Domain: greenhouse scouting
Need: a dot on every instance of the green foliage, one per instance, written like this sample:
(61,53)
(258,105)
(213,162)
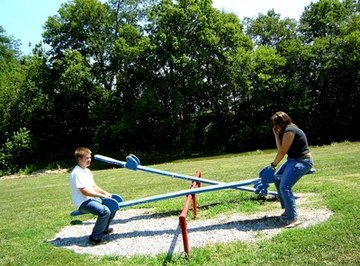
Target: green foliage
(270,30)
(324,18)
(11,80)
(180,77)
(15,151)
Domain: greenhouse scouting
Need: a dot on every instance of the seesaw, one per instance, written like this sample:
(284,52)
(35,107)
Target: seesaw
(116,202)
(133,163)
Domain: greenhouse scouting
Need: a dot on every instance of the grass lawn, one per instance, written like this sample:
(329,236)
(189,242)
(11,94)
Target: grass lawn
(35,208)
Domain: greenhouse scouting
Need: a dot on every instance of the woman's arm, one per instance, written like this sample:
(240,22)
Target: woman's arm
(276,131)
(283,147)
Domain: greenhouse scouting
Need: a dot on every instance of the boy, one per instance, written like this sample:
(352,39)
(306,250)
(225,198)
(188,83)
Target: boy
(87,196)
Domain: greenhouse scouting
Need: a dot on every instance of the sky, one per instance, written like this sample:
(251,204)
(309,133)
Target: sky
(24,19)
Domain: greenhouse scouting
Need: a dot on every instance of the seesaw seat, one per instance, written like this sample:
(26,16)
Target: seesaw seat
(111,203)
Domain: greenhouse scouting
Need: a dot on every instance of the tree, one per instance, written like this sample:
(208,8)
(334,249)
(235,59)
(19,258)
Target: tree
(109,40)
(11,78)
(15,151)
(324,18)
(194,46)
(177,76)
(16,105)
(277,74)
(331,30)
(270,30)
(85,26)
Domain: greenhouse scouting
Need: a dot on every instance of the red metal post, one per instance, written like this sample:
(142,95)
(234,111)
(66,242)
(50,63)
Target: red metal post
(183,225)
(183,215)
(197,174)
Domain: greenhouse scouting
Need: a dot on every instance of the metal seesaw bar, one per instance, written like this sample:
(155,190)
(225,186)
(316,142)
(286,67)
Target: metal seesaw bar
(175,175)
(185,192)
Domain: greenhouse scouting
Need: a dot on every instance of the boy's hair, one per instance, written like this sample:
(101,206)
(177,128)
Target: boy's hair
(81,152)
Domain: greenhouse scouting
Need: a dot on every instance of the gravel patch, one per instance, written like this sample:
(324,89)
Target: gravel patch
(142,232)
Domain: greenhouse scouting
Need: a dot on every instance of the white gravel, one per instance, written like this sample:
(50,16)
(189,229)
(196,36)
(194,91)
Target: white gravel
(141,232)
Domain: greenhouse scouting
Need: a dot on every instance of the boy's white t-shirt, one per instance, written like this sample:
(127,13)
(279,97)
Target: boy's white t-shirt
(80,178)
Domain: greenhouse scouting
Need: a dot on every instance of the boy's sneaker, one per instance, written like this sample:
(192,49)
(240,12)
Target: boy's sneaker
(94,241)
(108,231)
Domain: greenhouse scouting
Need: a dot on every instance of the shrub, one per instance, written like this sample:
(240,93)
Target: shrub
(15,152)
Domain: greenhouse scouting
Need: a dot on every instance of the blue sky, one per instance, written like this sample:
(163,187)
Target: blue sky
(24,19)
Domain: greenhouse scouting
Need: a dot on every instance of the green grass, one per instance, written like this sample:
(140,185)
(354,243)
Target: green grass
(35,208)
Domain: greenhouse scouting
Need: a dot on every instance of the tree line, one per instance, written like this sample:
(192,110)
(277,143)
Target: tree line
(176,77)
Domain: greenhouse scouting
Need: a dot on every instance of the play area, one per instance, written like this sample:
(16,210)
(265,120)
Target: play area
(143,232)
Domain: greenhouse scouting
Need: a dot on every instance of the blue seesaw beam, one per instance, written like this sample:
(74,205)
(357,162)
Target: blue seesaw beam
(110,160)
(185,192)
(114,204)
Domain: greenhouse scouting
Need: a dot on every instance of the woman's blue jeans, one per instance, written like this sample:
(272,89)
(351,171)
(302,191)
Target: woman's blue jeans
(105,216)
(286,177)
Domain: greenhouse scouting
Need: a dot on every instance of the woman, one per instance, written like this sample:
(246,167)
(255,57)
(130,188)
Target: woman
(292,141)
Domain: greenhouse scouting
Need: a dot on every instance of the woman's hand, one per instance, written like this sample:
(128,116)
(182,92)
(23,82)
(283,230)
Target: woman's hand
(276,130)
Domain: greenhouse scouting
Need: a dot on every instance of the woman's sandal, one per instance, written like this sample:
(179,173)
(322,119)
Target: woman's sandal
(293,224)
